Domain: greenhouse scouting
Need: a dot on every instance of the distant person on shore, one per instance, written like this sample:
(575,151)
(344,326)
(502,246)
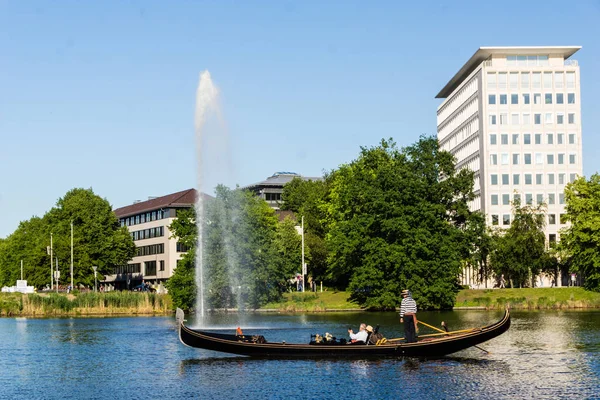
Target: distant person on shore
(502,283)
(408,316)
(360,336)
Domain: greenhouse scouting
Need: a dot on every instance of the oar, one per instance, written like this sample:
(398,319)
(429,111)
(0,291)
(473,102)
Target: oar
(432,327)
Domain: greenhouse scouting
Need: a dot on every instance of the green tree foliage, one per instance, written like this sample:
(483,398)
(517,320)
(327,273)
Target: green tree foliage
(396,220)
(482,244)
(182,285)
(580,242)
(308,199)
(98,239)
(520,252)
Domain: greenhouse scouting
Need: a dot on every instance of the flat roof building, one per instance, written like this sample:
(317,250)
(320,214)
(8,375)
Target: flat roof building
(512,115)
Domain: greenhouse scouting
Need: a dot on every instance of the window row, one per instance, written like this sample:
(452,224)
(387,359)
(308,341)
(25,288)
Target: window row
(127,269)
(526,98)
(143,218)
(532,158)
(273,196)
(504,199)
(526,119)
(529,179)
(182,248)
(515,138)
(551,221)
(150,267)
(531,80)
(150,250)
(148,233)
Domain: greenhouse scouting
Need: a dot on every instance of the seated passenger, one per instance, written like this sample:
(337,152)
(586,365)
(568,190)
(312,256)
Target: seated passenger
(360,336)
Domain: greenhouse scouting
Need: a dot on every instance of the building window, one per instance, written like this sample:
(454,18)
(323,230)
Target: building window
(561,158)
(571,98)
(492,139)
(514,119)
(527,158)
(515,138)
(517,198)
(538,179)
(514,99)
(561,199)
(503,119)
(506,199)
(524,80)
(550,159)
(551,179)
(571,138)
(526,138)
(561,179)
(526,119)
(515,158)
(162,265)
(571,118)
(572,177)
(559,138)
(560,119)
(506,219)
(571,158)
(504,159)
(538,138)
(549,138)
(536,80)
(537,119)
(504,138)
(494,179)
(570,80)
(492,99)
(552,239)
(493,159)
(540,199)
(505,179)
(551,219)
(548,98)
(491,80)
(494,199)
(181,248)
(526,99)
(150,268)
(528,198)
(560,98)
(539,158)
(492,119)
(516,179)
(559,80)
(494,219)
(551,198)
(548,119)
(514,80)
(503,99)
(528,179)
(547,80)
(502,80)
(537,98)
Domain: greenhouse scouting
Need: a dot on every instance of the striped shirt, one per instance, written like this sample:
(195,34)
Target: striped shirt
(408,305)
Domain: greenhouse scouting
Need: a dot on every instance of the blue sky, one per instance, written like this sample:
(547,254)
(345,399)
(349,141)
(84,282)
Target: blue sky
(101,94)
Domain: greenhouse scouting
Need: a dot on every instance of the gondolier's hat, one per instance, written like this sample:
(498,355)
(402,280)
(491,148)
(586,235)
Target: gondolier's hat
(405,292)
(369,329)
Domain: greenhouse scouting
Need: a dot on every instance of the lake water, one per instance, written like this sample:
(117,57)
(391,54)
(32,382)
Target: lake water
(544,355)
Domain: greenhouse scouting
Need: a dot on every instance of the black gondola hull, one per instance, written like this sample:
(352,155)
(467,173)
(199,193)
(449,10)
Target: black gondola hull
(425,348)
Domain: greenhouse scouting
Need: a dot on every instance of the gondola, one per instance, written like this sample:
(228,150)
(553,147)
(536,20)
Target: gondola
(434,345)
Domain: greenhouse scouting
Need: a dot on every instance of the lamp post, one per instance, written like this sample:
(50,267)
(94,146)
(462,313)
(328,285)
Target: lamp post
(303,265)
(95,275)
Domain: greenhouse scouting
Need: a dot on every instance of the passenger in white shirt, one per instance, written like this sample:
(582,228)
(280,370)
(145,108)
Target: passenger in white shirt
(360,336)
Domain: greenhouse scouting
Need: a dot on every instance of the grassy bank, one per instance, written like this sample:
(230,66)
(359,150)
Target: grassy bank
(110,303)
(313,302)
(538,298)
(530,299)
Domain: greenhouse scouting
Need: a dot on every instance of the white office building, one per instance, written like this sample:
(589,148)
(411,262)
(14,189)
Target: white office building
(513,116)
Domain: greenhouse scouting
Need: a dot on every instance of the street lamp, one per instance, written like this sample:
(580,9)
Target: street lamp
(95,275)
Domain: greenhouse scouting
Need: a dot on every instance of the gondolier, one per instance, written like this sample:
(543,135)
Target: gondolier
(408,316)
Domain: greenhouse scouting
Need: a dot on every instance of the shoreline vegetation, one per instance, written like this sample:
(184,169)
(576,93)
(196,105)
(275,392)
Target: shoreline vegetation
(135,303)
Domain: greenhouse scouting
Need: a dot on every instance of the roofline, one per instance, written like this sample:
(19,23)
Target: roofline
(484,53)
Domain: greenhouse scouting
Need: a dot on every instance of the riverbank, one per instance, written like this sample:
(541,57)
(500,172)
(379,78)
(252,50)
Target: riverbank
(523,299)
(84,304)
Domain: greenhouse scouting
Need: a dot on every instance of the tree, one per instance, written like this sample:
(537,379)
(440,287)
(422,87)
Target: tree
(98,240)
(482,244)
(520,252)
(580,240)
(396,220)
(182,284)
